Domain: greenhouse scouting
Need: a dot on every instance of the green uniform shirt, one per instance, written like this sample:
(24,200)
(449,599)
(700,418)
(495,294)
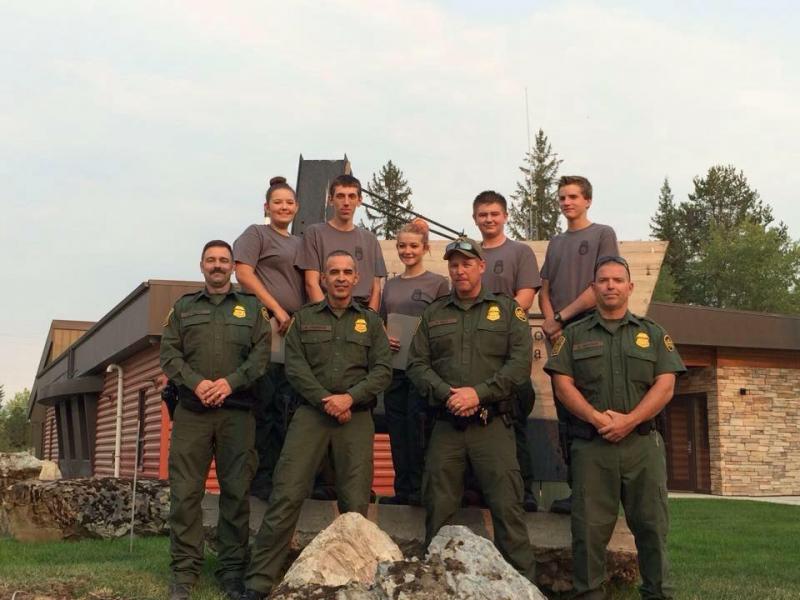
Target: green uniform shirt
(215,336)
(485,345)
(329,354)
(614,363)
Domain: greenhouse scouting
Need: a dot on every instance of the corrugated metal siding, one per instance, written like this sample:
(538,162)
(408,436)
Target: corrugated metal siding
(383,470)
(139,373)
(50,436)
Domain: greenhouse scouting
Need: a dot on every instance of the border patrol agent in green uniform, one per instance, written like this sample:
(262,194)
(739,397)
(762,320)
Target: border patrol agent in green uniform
(615,372)
(215,344)
(338,359)
(471,350)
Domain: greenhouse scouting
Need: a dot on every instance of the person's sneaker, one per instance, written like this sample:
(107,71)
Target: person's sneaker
(179,591)
(529,503)
(232,589)
(562,506)
(254,595)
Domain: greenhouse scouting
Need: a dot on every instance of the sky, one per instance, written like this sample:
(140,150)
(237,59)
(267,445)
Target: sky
(131,133)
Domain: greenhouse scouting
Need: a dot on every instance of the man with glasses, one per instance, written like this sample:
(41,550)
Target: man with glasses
(471,350)
(614,372)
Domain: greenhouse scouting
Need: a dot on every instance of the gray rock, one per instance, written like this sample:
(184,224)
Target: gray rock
(84,508)
(476,570)
(50,471)
(18,466)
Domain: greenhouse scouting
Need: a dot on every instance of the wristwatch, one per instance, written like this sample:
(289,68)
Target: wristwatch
(557,318)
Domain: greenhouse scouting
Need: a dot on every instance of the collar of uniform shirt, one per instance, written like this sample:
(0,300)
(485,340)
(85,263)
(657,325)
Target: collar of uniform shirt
(323,304)
(598,319)
(483,295)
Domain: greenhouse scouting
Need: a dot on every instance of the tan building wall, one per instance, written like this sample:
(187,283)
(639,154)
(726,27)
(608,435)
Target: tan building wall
(757,433)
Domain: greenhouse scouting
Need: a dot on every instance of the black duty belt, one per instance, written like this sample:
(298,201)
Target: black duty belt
(484,415)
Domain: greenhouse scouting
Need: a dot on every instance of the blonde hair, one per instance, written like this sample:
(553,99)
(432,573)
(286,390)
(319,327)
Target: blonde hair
(418,226)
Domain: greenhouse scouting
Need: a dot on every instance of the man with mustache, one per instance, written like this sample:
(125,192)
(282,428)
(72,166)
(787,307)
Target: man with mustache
(615,371)
(338,360)
(215,344)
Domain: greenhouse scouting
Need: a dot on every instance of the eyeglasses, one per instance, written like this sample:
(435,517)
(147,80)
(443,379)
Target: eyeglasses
(460,245)
(603,260)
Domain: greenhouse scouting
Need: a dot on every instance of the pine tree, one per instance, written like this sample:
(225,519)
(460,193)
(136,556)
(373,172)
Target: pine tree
(664,226)
(390,185)
(534,210)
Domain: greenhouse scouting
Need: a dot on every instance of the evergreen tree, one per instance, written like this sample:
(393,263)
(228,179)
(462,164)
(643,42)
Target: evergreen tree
(2,394)
(715,240)
(390,185)
(534,210)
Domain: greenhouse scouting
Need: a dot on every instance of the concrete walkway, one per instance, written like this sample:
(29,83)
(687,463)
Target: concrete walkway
(793,500)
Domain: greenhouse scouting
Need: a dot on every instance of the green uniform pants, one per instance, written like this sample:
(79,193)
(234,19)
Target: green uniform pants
(276,403)
(404,421)
(311,433)
(524,406)
(604,474)
(227,435)
(491,451)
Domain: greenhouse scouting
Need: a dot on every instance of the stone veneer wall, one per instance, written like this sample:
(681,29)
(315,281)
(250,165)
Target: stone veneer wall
(758,434)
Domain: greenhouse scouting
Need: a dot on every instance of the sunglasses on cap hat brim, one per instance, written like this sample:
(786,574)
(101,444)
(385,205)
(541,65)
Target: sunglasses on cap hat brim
(604,260)
(463,246)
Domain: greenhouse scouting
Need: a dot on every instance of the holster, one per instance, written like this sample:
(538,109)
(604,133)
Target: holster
(169,395)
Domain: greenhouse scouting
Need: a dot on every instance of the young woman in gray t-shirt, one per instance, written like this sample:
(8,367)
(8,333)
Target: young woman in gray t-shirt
(266,257)
(408,294)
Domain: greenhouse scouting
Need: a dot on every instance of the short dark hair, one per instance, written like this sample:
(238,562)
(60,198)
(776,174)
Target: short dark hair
(489,197)
(580,181)
(216,244)
(344,181)
(341,253)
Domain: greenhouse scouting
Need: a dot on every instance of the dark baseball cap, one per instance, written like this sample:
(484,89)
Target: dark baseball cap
(465,246)
(604,260)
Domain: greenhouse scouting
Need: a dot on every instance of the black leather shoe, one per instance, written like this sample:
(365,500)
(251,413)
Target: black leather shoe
(254,595)
(232,589)
(397,499)
(529,503)
(180,591)
(562,506)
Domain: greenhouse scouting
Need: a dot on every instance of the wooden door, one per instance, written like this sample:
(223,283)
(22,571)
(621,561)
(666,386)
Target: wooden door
(688,466)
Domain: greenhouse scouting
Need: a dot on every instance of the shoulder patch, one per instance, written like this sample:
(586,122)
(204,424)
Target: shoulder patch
(668,343)
(166,319)
(558,345)
(520,314)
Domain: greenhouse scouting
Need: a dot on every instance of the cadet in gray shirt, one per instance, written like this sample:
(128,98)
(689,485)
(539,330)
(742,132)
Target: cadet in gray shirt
(567,273)
(265,258)
(511,269)
(408,294)
(340,234)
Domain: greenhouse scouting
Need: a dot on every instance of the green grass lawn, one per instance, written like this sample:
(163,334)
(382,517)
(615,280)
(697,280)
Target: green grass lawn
(720,550)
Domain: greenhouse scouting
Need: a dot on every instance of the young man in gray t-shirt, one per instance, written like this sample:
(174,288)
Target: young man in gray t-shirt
(567,274)
(340,233)
(511,269)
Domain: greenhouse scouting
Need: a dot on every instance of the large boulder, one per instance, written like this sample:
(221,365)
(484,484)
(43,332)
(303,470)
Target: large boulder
(84,508)
(348,551)
(17,466)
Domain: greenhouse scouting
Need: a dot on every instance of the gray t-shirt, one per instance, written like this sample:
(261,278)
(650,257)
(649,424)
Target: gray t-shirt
(411,296)
(510,267)
(570,259)
(273,257)
(320,239)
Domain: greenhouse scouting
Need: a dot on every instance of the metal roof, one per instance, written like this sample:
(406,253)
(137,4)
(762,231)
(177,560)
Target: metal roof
(705,326)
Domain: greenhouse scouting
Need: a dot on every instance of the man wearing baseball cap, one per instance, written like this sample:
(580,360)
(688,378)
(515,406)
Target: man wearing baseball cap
(471,350)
